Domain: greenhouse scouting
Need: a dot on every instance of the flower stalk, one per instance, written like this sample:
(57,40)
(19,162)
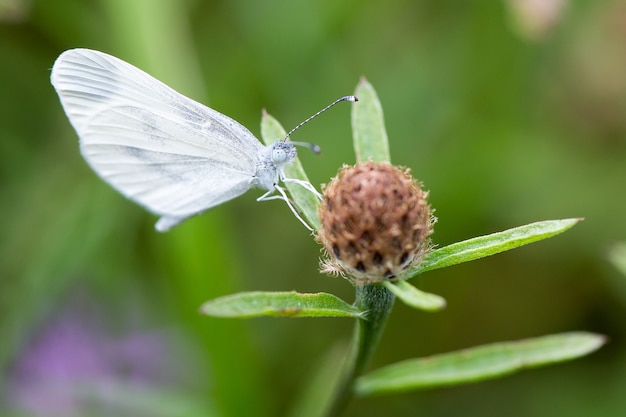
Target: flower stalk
(377,302)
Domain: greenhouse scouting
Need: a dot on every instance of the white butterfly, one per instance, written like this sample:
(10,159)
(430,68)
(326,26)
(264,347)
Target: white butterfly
(172,155)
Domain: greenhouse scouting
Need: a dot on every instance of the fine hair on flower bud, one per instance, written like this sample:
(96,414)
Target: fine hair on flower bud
(375,223)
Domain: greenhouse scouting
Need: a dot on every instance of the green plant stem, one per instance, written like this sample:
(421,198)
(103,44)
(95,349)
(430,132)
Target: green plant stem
(377,302)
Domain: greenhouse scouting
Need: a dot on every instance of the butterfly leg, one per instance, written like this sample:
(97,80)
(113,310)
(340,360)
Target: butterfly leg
(283,196)
(304,184)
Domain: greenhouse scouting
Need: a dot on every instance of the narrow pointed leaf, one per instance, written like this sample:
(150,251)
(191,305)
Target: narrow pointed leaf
(305,201)
(477,364)
(482,246)
(414,297)
(279,304)
(368,125)
(617,256)
(320,384)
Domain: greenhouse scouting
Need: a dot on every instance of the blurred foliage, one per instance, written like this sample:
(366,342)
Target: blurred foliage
(504,126)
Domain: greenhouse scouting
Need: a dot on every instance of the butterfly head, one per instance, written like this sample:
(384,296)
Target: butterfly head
(282,153)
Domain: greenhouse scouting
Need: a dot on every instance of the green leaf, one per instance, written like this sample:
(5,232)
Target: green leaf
(279,304)
(321,382)
(617,256)
(479,363)
(131,399)
(479,247)
(304,200)
(368,125)
(414,297)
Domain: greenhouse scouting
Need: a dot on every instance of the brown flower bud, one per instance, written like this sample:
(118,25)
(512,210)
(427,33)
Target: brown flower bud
(375,223)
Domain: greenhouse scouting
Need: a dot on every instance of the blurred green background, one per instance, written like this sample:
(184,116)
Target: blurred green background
(509,112)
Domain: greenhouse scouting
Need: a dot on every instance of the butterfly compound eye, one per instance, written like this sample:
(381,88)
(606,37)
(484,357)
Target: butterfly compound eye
(279,155)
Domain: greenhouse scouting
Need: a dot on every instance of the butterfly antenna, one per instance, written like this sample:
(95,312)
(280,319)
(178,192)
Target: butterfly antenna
(315,148)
